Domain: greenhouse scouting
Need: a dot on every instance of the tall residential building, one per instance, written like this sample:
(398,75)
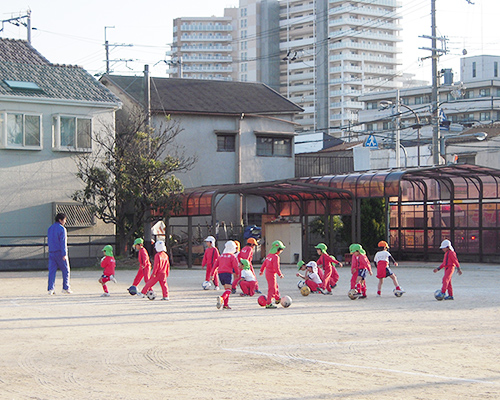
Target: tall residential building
(334,51)
(203,48)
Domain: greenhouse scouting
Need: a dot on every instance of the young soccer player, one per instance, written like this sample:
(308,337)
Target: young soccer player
(247,281)
(247,254)
(361,266)
(161,270)
(450,262)
(271,266)
(381,260)
(227,268)
(311,276)
(108,265)
(208,262)
(144,263)
(331,275)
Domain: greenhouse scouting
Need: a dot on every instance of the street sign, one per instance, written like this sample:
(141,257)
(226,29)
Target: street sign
(371,142)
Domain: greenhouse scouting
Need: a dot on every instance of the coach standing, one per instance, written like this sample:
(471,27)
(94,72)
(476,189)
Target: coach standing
(58,253)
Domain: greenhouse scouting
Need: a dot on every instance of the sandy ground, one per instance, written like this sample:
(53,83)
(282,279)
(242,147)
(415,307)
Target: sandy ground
(83,346)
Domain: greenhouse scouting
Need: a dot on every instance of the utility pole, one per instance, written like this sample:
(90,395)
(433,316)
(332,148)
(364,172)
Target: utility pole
(147,101)
(434,95)
(106,48)
(398,130)
(18,21)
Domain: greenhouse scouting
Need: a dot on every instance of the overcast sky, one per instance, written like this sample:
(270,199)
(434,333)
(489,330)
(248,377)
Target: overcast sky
(73,32)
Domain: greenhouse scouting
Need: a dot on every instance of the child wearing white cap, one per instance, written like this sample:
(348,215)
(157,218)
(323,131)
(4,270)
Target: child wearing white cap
(311,276)
(450,262)
(208,262)
(161,270)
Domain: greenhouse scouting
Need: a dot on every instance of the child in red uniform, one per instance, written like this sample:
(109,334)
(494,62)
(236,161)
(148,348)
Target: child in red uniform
(331,276)
(247,254)
(247,281)
(237,277)
(311,276)
(450,262)
(227,268)
(381,260)
(108,265)
(144,263)
(360,265)
(161,270)
(271,266)
(211,254)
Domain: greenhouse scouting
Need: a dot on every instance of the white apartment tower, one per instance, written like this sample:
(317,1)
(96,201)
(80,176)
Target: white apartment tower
(203,48)
(335,50)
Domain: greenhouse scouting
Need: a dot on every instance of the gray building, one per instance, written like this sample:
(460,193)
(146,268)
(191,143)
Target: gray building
(48,116)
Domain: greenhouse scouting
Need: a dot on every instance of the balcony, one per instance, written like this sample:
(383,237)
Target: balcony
(206,38)
(362,57)
(363,22)
(206,58)
(206,68)
(200,48)
(364,46)
(206,28)
(388,3)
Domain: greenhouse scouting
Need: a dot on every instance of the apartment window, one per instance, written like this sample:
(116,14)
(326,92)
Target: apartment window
(484,116)
(369,127)
(484,92)
(473,69)
(419,100)
(243,23)
(469,94)
(20,130)
(243,34)
(495,69)
(372,105)
(405,101)
(226,142)
(71,133)
(243,12)
(274,146)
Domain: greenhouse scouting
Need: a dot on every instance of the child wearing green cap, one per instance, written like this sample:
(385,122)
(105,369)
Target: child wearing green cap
(271,266)
(247,281)
(360,266)
(144,263)
(108,265)
(331,276)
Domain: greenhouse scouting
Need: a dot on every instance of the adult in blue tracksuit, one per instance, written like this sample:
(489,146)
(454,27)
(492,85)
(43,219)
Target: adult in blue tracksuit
(58,253)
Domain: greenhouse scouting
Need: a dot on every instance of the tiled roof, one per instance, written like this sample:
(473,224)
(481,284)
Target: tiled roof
(199,96)
(20,62)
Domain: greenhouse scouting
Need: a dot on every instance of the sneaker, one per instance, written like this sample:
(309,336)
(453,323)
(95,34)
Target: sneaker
(164,298)
(52,292)
(226,308)
(67,291)
(105,295)
(271,306)
(141,295)
(321,290)
(216,288)
(233,291)
(112,278)
(362,296)
(243,295)
(327,292)
(449,298)
(220,301)
(258,291)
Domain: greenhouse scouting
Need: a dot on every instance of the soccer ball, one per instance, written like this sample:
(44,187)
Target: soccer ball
(300,284)
(206,285)
(132,290)
(353,294)
(439,295)
(305,290)
(398,293)
(151,295)
(262,300)
(286,301)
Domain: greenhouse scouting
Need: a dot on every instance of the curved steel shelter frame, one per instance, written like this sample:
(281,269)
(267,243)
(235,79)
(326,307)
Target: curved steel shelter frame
(424,205)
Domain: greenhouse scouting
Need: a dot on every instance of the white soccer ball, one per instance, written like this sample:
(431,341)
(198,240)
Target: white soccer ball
(439,295)
(398,293)
(300,284)
(151,295)
(206,285)
(353,294)
(286,301)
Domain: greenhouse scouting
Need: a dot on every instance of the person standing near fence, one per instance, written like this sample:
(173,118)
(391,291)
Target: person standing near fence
(57,240)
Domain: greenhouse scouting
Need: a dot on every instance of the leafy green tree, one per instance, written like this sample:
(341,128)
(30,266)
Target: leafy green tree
(130,174)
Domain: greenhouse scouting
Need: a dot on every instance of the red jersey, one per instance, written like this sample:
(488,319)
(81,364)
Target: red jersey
(271,264)
(246,253)
(326,261)
(108,264)
(360,262)
(450,260)
(144,260)
(161,264)
(227,263)
(211,254)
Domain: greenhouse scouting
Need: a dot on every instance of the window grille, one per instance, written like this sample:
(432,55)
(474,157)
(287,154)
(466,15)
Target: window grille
(77,215)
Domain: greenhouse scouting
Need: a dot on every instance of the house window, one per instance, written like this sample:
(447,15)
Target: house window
(20,130)
(71,133)
(226,143)
(274,146)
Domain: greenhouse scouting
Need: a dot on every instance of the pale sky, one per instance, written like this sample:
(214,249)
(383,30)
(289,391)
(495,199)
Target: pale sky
(73,32)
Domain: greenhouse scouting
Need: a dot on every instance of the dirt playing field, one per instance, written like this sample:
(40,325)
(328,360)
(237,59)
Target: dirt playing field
(83,346)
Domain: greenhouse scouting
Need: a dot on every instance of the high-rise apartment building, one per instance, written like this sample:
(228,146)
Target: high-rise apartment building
(321,54)
(203,48)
